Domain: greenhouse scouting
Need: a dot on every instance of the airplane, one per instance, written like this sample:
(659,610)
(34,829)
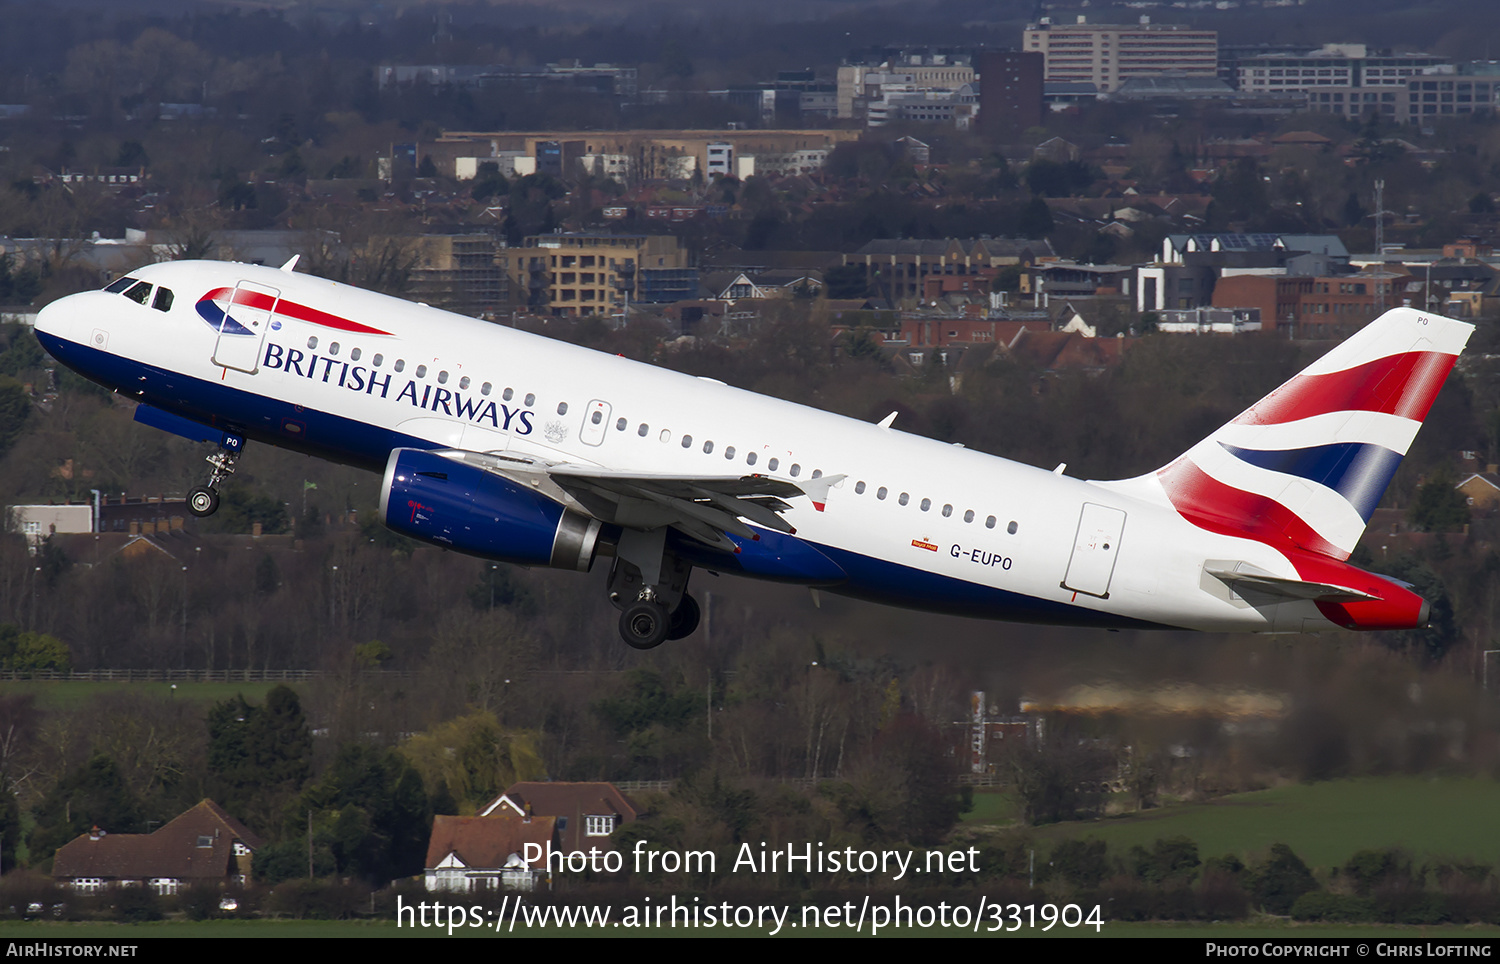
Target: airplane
(515,447)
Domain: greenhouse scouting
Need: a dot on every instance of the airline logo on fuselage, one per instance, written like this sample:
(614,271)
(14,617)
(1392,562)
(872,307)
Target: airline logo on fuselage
(418,394)
(213,308)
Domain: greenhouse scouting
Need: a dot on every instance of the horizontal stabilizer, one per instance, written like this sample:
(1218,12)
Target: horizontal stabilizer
(1243,576)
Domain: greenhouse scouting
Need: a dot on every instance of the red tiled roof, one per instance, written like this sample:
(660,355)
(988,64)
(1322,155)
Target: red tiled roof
(486,841)
(574,801)
(198,844)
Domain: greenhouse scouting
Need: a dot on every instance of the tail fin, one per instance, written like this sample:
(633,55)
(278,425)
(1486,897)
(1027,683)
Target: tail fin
(1307,464)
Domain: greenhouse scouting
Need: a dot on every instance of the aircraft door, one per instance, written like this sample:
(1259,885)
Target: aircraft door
(1095,547)
(246,318)
(595,423)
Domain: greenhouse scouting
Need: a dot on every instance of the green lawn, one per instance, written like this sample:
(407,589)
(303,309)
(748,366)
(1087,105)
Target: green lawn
(993,806)
(1325,823)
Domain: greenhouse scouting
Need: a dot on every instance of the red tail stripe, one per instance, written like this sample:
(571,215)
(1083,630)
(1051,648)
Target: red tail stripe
(1210,504)
(1403,385)
(256,299)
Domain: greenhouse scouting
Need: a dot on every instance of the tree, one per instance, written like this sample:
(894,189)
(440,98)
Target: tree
(93,795)
(1036,219)
(258,756)
(370,811)
(474,757)
(1439,505)
(1277,883)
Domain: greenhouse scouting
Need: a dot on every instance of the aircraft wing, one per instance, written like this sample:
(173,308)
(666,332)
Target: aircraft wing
(1243,576)
(703,507)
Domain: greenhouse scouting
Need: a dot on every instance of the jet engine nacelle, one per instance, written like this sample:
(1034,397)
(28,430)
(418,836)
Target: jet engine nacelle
(461,506)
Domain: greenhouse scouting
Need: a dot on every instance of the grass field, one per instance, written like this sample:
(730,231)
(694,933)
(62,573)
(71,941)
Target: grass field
(1325,823)
(70,695)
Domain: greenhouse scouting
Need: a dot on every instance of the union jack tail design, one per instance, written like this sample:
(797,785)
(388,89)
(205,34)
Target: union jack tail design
(1305,466)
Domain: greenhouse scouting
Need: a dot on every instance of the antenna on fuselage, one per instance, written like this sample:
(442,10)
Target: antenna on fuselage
(291,264)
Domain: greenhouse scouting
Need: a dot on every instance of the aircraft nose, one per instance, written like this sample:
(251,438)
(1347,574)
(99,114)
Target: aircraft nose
(48,319)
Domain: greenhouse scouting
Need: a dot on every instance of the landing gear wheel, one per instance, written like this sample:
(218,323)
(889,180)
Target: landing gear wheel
(643,625)
(684,621)
(203,501)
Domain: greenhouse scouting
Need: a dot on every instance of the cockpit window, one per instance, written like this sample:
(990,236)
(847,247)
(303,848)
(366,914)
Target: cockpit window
(141,293)
(120,284)
(163,299)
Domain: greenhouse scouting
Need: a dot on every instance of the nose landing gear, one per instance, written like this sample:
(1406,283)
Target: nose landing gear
(203,500)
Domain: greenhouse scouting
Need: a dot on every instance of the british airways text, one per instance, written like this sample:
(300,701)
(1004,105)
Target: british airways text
(358,378)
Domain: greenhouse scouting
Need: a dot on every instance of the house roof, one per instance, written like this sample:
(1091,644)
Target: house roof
(486,841)
(198,844)
(570,801)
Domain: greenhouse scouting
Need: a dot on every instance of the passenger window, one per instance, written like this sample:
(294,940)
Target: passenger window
(354,354)
(969,515)
(947,511)
(880,493)
(666,435)
(163,299)
(687,441)
(530,399)
(989,523)
(508,394)
(771,466)
(643,430)
(486,388)
(377,360)
(400,364)
(421,371)
(596,418)
(926,504)
(796,470)
(750,459)
(463,383)
(708,447)
(620,425)
(729,452)
(859,488)
(442,378)
(562,408)
(333,348)
(1011,528)
(817,473)
(904,498)
(120,284)
(313,343)
(139,293)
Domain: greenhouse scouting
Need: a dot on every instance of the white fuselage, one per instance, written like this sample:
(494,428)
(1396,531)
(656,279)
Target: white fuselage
(908,508)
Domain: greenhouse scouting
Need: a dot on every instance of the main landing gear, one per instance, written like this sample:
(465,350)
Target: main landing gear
(204,500)
(649,586)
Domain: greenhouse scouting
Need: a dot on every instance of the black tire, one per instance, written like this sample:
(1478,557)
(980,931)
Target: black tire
(684,621)
(203,501)
(643,625)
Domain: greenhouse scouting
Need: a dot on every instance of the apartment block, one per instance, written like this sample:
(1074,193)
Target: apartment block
(578,275)
(1107,55)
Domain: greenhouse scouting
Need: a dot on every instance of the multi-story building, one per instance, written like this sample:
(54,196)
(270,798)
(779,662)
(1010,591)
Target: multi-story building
(1442,91)
(628,155)
(576,275)
(1351,66)
(1010,89)
(466,273)
(1107,55)
(860,84)
(898,269)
